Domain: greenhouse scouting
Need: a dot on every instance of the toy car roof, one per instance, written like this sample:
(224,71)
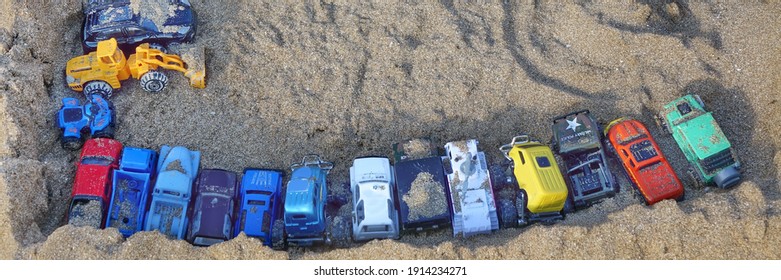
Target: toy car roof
(137,160)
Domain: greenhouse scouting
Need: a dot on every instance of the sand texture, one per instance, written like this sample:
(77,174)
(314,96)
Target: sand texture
(349,78)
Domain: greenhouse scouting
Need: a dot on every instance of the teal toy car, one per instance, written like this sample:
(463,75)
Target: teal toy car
(700,138)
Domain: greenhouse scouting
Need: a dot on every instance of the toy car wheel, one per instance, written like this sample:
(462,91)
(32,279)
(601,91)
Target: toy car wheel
(727,177)
(71,143)
(98,87)
(278,235)
(107,132)
(695,178)
(682,197)
(569,206)
(509,215)
(154,81)
(661,124)
(520,208)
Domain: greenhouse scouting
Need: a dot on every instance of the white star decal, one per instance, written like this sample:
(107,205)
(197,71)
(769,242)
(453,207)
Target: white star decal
(572,124)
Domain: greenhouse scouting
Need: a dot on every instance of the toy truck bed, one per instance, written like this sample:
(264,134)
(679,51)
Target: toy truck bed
(261,207)
(471,193)
(131,185)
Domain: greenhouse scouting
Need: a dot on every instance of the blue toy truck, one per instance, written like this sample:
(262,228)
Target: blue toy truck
(177,168)
(260,213)
(131,186)
(306,197)
(97,118)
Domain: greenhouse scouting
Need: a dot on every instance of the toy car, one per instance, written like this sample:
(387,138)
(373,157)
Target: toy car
(171,23)
(422,193)
(471,191)
(306,197)
(576,138)
(373,189)
(539,193)
(92,184)
(131,186)
(212,215)
(96,117)
(177,168)
(101,71)
(643,161)
(261,207)
(702,141)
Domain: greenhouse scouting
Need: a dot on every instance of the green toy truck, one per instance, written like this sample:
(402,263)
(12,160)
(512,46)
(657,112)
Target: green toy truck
(702,141)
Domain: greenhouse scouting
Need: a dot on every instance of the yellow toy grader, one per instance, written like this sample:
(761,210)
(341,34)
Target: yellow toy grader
(101,71)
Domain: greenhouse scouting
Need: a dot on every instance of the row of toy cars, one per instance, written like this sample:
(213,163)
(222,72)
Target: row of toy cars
(421,191)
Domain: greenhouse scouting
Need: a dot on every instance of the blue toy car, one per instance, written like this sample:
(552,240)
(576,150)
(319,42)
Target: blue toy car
(260,213)
(159,24)
(96,117)
(305,206)
(213,213)
(177,168)
(131,186)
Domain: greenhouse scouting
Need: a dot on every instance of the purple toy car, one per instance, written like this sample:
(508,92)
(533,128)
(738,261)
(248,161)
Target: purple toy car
(213,212)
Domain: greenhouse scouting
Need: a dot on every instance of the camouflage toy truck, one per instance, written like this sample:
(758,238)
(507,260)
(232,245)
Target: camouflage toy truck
(700,138)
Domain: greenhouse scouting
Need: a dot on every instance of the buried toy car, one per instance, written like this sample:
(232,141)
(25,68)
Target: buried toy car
(177,168)
(471,192)
(422,193)
(212,214)
(539,193)
(576,138)
(132,183)
(97,118)
(702,141)
(643,161)
(92,184)
(306,197)
(261,207)
(372,186)
(160,23)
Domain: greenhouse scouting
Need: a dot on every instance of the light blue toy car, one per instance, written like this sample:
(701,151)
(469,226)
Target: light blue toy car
(305,201)
(177,168)
(131,186)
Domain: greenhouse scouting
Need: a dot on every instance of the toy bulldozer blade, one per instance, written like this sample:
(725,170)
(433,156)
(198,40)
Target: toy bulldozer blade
(197,78)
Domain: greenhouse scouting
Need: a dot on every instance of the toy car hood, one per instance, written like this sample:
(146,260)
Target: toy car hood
(575,133)
(707,130)
(179,159)
(102,147)
(372,169)
(91,180)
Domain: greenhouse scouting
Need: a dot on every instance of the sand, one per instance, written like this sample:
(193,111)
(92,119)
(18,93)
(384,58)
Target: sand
(347,79)
(426,197)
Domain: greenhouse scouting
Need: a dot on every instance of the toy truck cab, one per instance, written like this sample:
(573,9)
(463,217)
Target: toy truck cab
(702,141)
(92,184)
(305,200)
(177,168)
(576,138)
(261,207)
(422,195)
(98,72)
(131,186)
(212,215)
(97,117)
(540,192)
(372,186)
(643,161)
(471,191)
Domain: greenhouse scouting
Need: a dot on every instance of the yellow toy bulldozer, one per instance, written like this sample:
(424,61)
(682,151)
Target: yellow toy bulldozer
(101,71)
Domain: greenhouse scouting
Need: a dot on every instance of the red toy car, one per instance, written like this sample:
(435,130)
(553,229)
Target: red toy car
(92,185)
(643,161)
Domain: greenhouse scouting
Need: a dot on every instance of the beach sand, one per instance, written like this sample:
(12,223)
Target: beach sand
(344,79)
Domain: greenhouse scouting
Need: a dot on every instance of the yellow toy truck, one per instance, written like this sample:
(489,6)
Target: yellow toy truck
(540,190)
(101,71)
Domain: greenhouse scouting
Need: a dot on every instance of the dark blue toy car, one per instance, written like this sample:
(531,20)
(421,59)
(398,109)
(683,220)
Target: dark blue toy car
(97,118)
(138,22)
(131,186)
(260,213)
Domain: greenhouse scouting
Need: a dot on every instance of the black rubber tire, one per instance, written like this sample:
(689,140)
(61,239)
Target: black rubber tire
(71,143)
(107,132)
(278,235)
(97,87)
(682,197)
(695,178)
(727,177)
(569,206)
(508,212)
(153,81)
(520,208)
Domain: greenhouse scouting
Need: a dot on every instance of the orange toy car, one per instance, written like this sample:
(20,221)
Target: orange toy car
(643,161)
